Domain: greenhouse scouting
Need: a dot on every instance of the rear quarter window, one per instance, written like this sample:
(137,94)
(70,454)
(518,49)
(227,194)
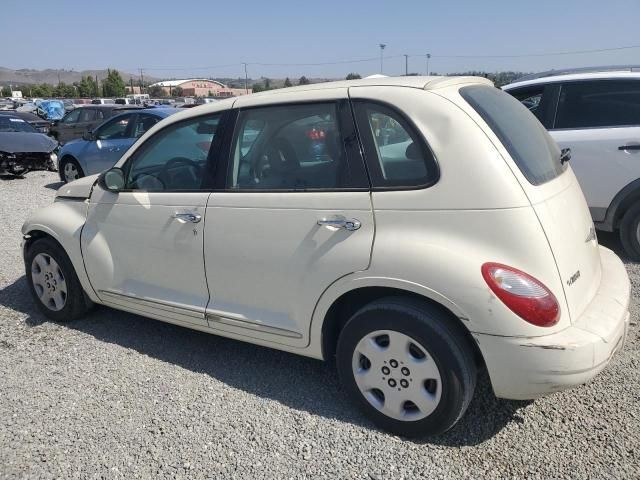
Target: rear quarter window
(523,136)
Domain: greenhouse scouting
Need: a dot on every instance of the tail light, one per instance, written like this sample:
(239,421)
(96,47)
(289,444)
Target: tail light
(524,295)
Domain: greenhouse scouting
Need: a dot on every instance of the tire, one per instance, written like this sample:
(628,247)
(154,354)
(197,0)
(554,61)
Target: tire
(428,338)
(68,165)
(53,282)
(630,233)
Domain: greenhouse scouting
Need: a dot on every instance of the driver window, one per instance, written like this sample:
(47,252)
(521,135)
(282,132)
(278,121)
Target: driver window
(114,129)
(72,117)
(174,159)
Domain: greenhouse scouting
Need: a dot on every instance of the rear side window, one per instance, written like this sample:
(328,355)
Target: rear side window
(529,144)
(397,155)
(602,103)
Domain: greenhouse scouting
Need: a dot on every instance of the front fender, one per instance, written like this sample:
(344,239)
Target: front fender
(63,220)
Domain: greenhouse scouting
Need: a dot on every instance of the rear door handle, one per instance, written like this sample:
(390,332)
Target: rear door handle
(340,222)
(629,147)
(187,217)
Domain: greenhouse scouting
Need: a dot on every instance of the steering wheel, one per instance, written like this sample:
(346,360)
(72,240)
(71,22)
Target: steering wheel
(164,173)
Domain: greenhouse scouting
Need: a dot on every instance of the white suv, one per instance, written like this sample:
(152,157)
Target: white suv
(413,228)
(596,114)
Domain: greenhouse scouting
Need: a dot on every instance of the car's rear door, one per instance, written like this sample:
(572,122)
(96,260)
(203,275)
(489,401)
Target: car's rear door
(291,214)
(599,120)
(86,119)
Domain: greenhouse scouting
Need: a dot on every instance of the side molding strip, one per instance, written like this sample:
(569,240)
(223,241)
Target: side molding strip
(232,322)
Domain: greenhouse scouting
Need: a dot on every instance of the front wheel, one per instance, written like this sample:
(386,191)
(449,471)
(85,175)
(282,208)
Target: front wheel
(53,282)
(407,366)
(70,170)
(630,232)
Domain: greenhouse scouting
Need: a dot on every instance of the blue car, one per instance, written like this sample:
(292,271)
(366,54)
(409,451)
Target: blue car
(100,149)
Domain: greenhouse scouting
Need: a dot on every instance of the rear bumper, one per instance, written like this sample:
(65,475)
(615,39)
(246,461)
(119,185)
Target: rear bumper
(524,368)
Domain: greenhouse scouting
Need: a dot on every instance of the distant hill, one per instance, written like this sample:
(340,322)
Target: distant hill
(28,76)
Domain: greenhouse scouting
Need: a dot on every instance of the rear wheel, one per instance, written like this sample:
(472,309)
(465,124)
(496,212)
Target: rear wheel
(70,170)
(53,282)
(630,232)
(407,366)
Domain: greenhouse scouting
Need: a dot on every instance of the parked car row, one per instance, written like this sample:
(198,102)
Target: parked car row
(414,229)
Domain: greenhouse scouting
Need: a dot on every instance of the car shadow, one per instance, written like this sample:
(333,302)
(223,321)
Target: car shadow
(298,382)
(54,185)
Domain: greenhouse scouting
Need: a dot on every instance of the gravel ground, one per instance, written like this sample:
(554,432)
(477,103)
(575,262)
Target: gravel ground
(119,396)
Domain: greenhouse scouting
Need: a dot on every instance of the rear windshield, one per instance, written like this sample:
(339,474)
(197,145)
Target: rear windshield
(526,140)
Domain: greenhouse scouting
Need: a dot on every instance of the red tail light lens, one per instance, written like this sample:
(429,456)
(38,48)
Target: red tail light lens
(524,295)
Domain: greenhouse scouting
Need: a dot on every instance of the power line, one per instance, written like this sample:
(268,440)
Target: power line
(375,59)
(547,54)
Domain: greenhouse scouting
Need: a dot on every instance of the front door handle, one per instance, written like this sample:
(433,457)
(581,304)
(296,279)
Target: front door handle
(187,217)
(340,222)
(629,147)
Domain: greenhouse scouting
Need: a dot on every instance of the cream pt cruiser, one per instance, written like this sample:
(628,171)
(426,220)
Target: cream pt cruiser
(416,229)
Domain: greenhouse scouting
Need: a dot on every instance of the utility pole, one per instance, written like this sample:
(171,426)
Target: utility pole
(382,47)
(406,64)
(246,79)
(141,82)
(428,55)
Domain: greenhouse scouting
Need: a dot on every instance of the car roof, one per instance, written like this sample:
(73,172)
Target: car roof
(160,112)
(419,82)
(573,76)
(24,115)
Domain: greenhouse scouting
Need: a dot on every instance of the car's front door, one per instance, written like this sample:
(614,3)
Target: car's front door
(111,140)
(142,247)
(291,215)
(600,122)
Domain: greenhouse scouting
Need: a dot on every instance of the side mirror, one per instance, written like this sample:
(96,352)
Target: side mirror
(88,136)
(112,180)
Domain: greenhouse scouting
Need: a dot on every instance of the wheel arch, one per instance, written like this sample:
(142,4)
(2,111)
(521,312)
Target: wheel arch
(61,221)
(347,303)
(623,200)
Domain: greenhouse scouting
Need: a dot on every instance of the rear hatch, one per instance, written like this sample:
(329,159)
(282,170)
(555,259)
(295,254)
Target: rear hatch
(551,187)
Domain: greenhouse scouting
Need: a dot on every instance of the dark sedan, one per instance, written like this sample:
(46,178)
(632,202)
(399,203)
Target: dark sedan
(22,148)
(40,124)
(84,118)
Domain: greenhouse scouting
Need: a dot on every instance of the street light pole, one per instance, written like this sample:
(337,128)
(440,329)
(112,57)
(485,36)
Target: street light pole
(406,64)
(246,79)
(382,47)
(428,57)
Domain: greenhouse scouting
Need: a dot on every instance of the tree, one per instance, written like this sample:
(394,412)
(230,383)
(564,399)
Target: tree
(176,92)
(87,87)
(6,92)
(303,81)
(64,91)
(257,87)
(287,82)
(156,91)
(353,76)
(113,85)
(42,90)
(267,84)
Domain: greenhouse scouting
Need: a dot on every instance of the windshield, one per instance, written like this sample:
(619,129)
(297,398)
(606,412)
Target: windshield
(529,144)
(12,124)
